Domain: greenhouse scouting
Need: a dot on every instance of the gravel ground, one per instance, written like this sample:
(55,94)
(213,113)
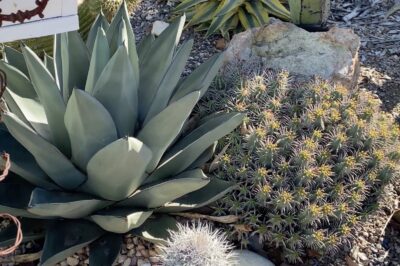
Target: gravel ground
(374,243)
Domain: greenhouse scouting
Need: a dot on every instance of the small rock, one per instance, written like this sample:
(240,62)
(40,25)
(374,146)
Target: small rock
(220,44)
(72,261)
(130,246)
(127,262)
(122,258)
(141,262)
(362,256)
(248,258)
(159,27)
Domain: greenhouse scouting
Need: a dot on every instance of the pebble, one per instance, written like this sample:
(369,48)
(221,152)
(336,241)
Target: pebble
(127,262)
(72,261)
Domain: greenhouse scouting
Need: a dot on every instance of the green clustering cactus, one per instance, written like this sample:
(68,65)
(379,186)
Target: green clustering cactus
(310,160)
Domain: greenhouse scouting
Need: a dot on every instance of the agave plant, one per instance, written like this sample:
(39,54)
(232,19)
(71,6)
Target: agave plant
(99,148)
(223,16)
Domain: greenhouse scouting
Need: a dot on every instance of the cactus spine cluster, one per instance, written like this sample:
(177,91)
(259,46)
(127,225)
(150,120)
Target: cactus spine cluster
(197,245)
(310,160)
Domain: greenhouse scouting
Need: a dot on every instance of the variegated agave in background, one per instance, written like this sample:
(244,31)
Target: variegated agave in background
(99,141)
(225,15)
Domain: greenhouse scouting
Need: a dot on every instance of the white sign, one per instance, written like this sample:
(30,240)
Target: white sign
(23,19)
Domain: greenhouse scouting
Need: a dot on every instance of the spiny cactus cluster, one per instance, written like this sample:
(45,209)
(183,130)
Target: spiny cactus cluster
(197,245)
(310,160)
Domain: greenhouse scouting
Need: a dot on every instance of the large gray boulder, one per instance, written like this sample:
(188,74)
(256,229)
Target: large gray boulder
(330,55)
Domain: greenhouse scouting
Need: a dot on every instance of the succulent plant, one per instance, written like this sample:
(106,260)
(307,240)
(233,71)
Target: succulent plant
(87,12)
(197,245)
(99,141)
(311,160)
(223,16)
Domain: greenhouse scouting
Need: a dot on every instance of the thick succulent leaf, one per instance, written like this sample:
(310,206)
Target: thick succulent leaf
(200,79)
(169,81)
(218,22)
(90,127)
(16,59)
(104,251)
(212,192)
(23,163)
(50,97)
(204,157)
(63,205)
(156,230)
(64,238)
(49,158)
(204,12)
(187,150)
(187,4)
(49,63)
(100,57)
(14,196)
(155,66)
(227,6)
(122,15)
(164,128)
(157,194)
(30,111)
(58,62)
(258,10)
(247,20)
(32,229)
(17,81)
(117,90)
(99,23)
(144,47)
(276,8)
(75,63)
(120,220)
(117,170)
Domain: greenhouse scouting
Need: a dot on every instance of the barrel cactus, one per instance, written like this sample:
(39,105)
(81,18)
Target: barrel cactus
(310,161)
(218,16)
(100,142)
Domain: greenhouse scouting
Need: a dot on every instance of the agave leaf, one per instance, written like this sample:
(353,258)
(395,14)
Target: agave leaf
(127,169)
(276,8)
(49,158)
(122,15)
(89,125)
(116,89)
(227,6)
(16,59)
(64,238)
(32,229)
(30,111)
(187,4)
(104,251)
(49,63)
(144,47)
(204,157)
(247,20)
(219,21)
(164,128)
(169,81)
(17,81)
(204,12)
(157,194)
(155,66)
(14,196)
(100,57)
(200,79)
(50,97)
(120,220)
(63,205)
(75,63)
(156,230)
(212,192)
(258,10)
(58,62)
(23,163)
(100,23)
(187,150)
